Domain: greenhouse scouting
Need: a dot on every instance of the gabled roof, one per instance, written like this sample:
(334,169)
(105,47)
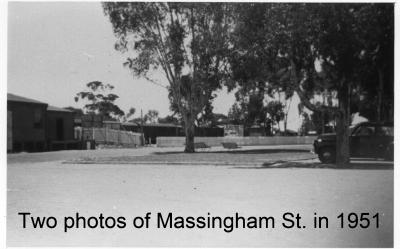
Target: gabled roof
(152,124)
(16,98)
(129,124)
(57,109)
(161,125)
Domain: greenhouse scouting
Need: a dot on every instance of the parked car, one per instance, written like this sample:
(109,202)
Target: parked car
(367,140)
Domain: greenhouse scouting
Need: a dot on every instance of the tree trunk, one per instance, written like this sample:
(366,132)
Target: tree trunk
(342,128)
(380,93)
(189,135)
(285,125)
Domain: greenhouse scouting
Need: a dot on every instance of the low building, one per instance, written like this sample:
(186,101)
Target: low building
(153,130)
(35,126)
(60,129)
(26,120)
(231,130)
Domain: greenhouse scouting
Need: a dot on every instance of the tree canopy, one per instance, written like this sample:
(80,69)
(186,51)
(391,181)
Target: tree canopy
(318,51)
(151,117)
(313,48)
(100,100)
(188,41)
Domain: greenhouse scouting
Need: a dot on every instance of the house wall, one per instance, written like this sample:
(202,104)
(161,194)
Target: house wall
(25,136)
(68,125)
(9,131)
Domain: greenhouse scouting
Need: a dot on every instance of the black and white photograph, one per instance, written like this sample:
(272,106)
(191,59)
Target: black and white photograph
(199,124)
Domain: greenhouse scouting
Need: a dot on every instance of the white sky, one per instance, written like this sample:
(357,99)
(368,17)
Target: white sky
(55,48)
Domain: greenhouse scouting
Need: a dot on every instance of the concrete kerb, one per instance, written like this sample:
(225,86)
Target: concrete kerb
(111,157)
(193,163)
(186,163)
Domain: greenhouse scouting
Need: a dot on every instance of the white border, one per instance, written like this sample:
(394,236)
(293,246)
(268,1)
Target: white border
(3,113)
(3,124)
(396,217)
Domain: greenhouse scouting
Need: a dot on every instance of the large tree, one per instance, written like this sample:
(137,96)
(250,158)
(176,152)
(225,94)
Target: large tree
(377,39)
(252,108)
(151,116)
(310,48)
(274,112)
(100,100)
(353,41)
(187,41)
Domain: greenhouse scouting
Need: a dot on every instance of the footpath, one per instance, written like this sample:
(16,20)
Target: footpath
(244,156)
(268,156)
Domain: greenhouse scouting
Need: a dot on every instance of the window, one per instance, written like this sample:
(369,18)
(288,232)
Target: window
(385,131)
(38,118)
(365,131)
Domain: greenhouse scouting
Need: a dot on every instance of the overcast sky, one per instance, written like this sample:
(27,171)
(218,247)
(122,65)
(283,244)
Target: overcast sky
(55,48)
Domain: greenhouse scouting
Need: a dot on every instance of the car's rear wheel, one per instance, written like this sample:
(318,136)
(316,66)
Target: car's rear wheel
(327,155)
(389,154)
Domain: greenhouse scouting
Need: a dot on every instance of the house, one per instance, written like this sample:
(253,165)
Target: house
(35,126)
(153,130)
(60,129)
(26,119)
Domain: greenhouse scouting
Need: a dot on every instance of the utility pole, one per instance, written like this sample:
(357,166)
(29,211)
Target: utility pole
(141,125)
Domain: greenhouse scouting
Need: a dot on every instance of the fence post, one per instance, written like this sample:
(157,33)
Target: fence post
(106,133)
(119,137)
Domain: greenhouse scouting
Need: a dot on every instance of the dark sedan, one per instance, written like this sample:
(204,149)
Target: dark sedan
(367,140)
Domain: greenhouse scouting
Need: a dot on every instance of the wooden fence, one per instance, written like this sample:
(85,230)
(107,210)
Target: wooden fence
(110,136)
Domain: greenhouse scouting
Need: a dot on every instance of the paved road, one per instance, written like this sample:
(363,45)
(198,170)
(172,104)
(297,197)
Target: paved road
(55,189)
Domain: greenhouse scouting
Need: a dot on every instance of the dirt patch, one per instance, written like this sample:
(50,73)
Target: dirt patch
(248,158)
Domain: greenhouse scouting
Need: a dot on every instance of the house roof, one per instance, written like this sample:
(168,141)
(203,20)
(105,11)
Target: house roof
(161,125)
(16,98)
(111,122)
(57,109)
(152,124)
(129,124)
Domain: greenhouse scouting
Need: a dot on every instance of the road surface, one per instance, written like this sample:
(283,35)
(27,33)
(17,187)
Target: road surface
(50,188)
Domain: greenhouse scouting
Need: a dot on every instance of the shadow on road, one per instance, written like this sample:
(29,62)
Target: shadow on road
(255,151)
(355,164)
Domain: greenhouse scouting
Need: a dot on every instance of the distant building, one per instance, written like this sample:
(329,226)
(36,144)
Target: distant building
(153,130)
(258,131)
(35,126)
(231,130)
